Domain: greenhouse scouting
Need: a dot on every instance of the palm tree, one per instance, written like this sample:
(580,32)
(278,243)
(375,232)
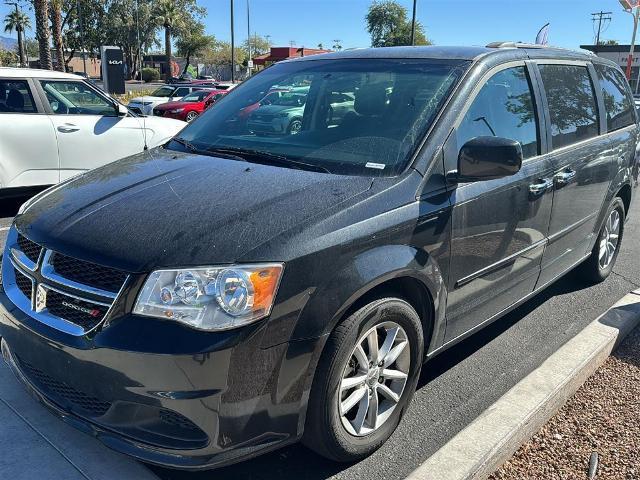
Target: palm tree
(56,23)
(19,22)
(43,33)
(171,17)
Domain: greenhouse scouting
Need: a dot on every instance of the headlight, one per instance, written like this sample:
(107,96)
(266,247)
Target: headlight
(211,298)
(176,110)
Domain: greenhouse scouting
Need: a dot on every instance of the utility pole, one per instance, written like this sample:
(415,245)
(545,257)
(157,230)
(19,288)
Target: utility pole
(233,47)
(600,17)
(250,61)
(629,6)
(84,56)
(413,24)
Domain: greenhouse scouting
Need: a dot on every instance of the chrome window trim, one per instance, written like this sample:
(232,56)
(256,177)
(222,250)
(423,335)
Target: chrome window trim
(48,272)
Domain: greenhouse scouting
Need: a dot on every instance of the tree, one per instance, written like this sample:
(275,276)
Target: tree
(56,24)
(43,33)
(175,16)
(193,43)
(337,44)
(259,45)
(608,42)
(31,47)
(128,21)
(388,25)
(7,58)
(18,21)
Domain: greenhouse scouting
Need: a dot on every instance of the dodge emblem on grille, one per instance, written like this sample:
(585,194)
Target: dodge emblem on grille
(94,312)
(41,299)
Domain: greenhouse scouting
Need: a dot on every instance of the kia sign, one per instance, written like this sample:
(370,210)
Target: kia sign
(112,69)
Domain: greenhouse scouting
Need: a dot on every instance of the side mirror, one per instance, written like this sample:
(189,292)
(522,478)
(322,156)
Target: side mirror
(122,110)
(488,158)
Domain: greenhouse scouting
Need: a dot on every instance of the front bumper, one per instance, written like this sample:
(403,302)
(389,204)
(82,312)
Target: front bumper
(162,401)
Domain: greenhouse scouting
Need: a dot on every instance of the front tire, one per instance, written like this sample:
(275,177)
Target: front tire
(191,116)
(365,379)
(294,127)
(605,252)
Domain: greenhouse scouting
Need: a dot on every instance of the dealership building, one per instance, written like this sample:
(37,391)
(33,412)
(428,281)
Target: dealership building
(619,55)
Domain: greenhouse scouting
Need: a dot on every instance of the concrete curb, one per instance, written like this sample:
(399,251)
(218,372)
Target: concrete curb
(492,438)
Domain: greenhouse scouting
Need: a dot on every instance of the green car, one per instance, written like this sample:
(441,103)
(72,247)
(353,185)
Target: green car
(280,116)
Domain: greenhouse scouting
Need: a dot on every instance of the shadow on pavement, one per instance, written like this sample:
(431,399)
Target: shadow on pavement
(302,464)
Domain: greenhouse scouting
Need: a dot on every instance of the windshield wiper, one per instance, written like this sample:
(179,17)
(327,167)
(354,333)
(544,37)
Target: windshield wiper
(267,158)
(193,149)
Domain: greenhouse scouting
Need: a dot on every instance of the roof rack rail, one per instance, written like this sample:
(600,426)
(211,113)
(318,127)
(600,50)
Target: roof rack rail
(515,45)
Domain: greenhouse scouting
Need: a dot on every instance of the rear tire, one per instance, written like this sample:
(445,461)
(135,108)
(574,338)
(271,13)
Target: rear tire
(345,433)
(605,251)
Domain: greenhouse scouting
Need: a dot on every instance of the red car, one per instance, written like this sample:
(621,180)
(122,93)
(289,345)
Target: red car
(189,107)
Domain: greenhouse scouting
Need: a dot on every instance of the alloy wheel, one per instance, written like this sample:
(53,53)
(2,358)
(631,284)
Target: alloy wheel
(295,127)
(374,378)
(191,116)
(609,239)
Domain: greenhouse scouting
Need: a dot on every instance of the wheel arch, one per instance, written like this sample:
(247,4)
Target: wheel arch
(392,270)
(625,194)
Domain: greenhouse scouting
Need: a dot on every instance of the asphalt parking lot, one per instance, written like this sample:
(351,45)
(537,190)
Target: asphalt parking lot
(459,384)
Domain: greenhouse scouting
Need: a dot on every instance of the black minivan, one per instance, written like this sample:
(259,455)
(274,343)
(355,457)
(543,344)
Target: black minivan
(231,293)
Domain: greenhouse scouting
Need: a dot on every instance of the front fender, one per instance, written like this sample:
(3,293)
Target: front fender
(367,270)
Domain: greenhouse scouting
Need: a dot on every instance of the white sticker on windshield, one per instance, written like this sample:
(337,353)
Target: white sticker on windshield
(378,166)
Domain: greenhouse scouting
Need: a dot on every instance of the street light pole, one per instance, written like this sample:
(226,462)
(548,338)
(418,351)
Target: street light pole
(233,46)
(413,24)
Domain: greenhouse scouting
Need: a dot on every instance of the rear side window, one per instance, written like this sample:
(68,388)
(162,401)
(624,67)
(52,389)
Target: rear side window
(504,107)
(15,97)
(617,100)
(572,103)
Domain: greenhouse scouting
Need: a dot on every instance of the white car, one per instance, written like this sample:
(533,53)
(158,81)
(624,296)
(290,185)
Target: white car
(164,94)
(55,125)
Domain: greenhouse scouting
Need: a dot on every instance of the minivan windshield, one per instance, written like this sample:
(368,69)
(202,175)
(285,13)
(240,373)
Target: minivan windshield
(344,116)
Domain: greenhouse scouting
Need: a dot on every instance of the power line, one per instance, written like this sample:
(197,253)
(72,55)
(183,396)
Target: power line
(600,17)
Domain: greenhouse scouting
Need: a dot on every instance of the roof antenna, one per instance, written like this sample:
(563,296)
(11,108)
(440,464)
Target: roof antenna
(144,122)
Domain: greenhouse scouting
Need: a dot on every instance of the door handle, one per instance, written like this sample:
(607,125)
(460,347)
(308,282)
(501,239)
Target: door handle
(68,128)
(565,177)
(540,186)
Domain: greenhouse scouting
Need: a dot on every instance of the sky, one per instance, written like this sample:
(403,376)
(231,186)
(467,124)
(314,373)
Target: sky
(447,22)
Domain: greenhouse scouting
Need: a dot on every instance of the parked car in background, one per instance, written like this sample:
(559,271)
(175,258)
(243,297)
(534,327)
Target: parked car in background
(190,106)
(280,113)
(166,93)
(54,125)
(233,293)
(225,85)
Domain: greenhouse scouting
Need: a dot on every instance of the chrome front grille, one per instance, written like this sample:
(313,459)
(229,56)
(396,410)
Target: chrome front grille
(30,249)
(68,294)
(24,283)
(87,274)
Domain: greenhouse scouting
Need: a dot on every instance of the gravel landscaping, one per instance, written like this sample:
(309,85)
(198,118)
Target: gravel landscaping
(603,417)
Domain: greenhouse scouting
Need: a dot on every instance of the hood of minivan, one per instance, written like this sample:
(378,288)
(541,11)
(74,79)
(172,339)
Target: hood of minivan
(169,209)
